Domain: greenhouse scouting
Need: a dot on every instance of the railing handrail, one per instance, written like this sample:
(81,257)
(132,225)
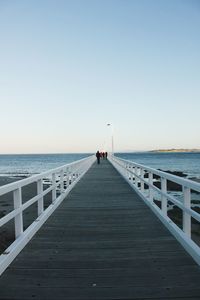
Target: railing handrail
(22,182)
(182,181)
(134,175)
(67,177)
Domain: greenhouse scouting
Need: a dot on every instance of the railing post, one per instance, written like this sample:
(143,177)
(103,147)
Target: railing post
(61,181)
(66,181)
(74,177)
(70,175)
(186,216)
(54,187)
(150,188)
(125,172)
(67,177)
(132,175)
(129,172)
(136,178)
(17,195)
(141,181)
(41,200)
(164,198)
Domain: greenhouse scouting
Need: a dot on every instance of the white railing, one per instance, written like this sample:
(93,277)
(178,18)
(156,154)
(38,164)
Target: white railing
(62,180)
(143,179)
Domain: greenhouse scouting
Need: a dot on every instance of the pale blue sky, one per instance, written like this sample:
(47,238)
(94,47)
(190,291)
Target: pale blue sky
(67,68)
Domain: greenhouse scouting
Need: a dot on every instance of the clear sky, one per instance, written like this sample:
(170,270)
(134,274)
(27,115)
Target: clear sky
(69,67)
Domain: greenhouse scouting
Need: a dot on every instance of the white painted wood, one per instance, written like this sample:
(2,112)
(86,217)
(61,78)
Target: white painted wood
(41,199)
(163,197)
(142,181)
(61,181)
(136,177)
(54,187)
(17,196)
(186,215)
(150,186)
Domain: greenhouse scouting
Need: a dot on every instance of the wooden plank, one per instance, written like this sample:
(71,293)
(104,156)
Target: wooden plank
(97,293)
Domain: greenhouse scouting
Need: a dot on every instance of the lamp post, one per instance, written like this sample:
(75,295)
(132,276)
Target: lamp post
(112,137)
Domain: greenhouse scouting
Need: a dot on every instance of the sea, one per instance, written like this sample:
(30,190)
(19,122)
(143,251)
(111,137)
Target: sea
(29,164)
(186,162)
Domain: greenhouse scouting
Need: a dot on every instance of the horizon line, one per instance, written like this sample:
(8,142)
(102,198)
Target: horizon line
(118,151)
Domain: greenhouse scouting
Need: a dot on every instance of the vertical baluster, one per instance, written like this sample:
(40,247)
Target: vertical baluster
(136,178)
(67,177)
(61,181)
(150,188)
(132,175)
(17,196)
(164,198)
(74,176)
(139,179)
(54,187)
(70,175)
(129,172)
(41,200)
(142,182)
(186,216)
(123,169)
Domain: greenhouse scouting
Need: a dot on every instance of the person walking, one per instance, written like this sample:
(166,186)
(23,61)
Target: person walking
(98,155)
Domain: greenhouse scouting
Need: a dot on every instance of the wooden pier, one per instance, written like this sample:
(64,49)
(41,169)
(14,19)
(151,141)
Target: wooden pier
(102,242)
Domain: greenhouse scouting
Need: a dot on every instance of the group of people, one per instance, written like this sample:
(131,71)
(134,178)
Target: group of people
(100,155)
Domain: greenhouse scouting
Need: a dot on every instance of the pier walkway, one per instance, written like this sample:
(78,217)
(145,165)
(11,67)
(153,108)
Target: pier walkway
(102,242)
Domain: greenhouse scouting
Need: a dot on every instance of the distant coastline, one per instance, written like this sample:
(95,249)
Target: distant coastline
(175,150)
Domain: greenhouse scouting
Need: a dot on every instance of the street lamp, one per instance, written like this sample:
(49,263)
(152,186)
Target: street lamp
(112,137)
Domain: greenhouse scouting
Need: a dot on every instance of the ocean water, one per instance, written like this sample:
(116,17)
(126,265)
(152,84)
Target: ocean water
(187,162)
(36,163)
(28,164)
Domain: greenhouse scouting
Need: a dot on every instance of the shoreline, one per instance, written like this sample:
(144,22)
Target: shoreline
(175,150)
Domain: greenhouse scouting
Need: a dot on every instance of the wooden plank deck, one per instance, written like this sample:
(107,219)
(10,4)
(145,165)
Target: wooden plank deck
(102,243)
